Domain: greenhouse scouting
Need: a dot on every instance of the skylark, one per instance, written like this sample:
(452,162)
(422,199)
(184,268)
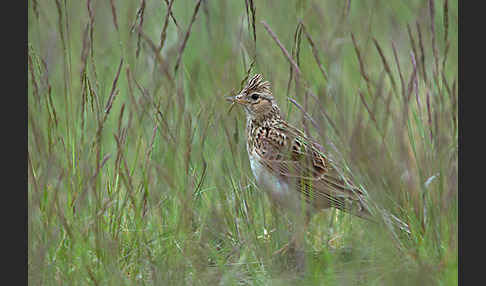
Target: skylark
(290,166)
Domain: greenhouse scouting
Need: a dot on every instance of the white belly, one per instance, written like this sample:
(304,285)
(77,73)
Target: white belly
(277,189)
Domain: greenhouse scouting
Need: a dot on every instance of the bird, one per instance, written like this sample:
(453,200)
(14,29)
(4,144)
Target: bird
(291,167)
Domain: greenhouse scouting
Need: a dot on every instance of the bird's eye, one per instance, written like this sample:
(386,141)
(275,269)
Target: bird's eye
(254,96)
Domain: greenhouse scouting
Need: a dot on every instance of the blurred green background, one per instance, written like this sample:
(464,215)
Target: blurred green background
(139,175)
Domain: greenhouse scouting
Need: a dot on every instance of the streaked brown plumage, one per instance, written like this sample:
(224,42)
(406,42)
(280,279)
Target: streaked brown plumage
(290,166)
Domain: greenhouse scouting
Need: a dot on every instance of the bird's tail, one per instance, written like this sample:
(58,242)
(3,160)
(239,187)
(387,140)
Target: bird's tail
(395,223)
(394,226)
(370,211)
(382,216)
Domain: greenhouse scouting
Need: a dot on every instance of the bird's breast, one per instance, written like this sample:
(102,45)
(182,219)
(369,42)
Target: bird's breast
(278,190)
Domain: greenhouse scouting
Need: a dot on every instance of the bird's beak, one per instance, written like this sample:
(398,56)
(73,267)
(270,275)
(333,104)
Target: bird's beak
(235,99)
(240,99)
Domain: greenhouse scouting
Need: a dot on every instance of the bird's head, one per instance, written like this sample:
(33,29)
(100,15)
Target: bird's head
(256,97)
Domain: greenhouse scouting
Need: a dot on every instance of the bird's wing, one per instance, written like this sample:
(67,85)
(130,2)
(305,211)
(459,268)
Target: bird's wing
(303,161)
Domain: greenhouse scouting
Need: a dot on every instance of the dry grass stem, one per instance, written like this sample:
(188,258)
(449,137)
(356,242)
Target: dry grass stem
(385,65)
(315,52)
(284,51)
(113,13)
(186,37)
(163,34)
(158,57)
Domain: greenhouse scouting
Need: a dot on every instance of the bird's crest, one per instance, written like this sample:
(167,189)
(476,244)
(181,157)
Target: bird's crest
(258,84)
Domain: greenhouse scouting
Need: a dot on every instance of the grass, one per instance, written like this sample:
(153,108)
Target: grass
(138,175)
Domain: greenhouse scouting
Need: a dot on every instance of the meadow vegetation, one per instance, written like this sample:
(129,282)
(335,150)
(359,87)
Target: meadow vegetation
(138,175)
